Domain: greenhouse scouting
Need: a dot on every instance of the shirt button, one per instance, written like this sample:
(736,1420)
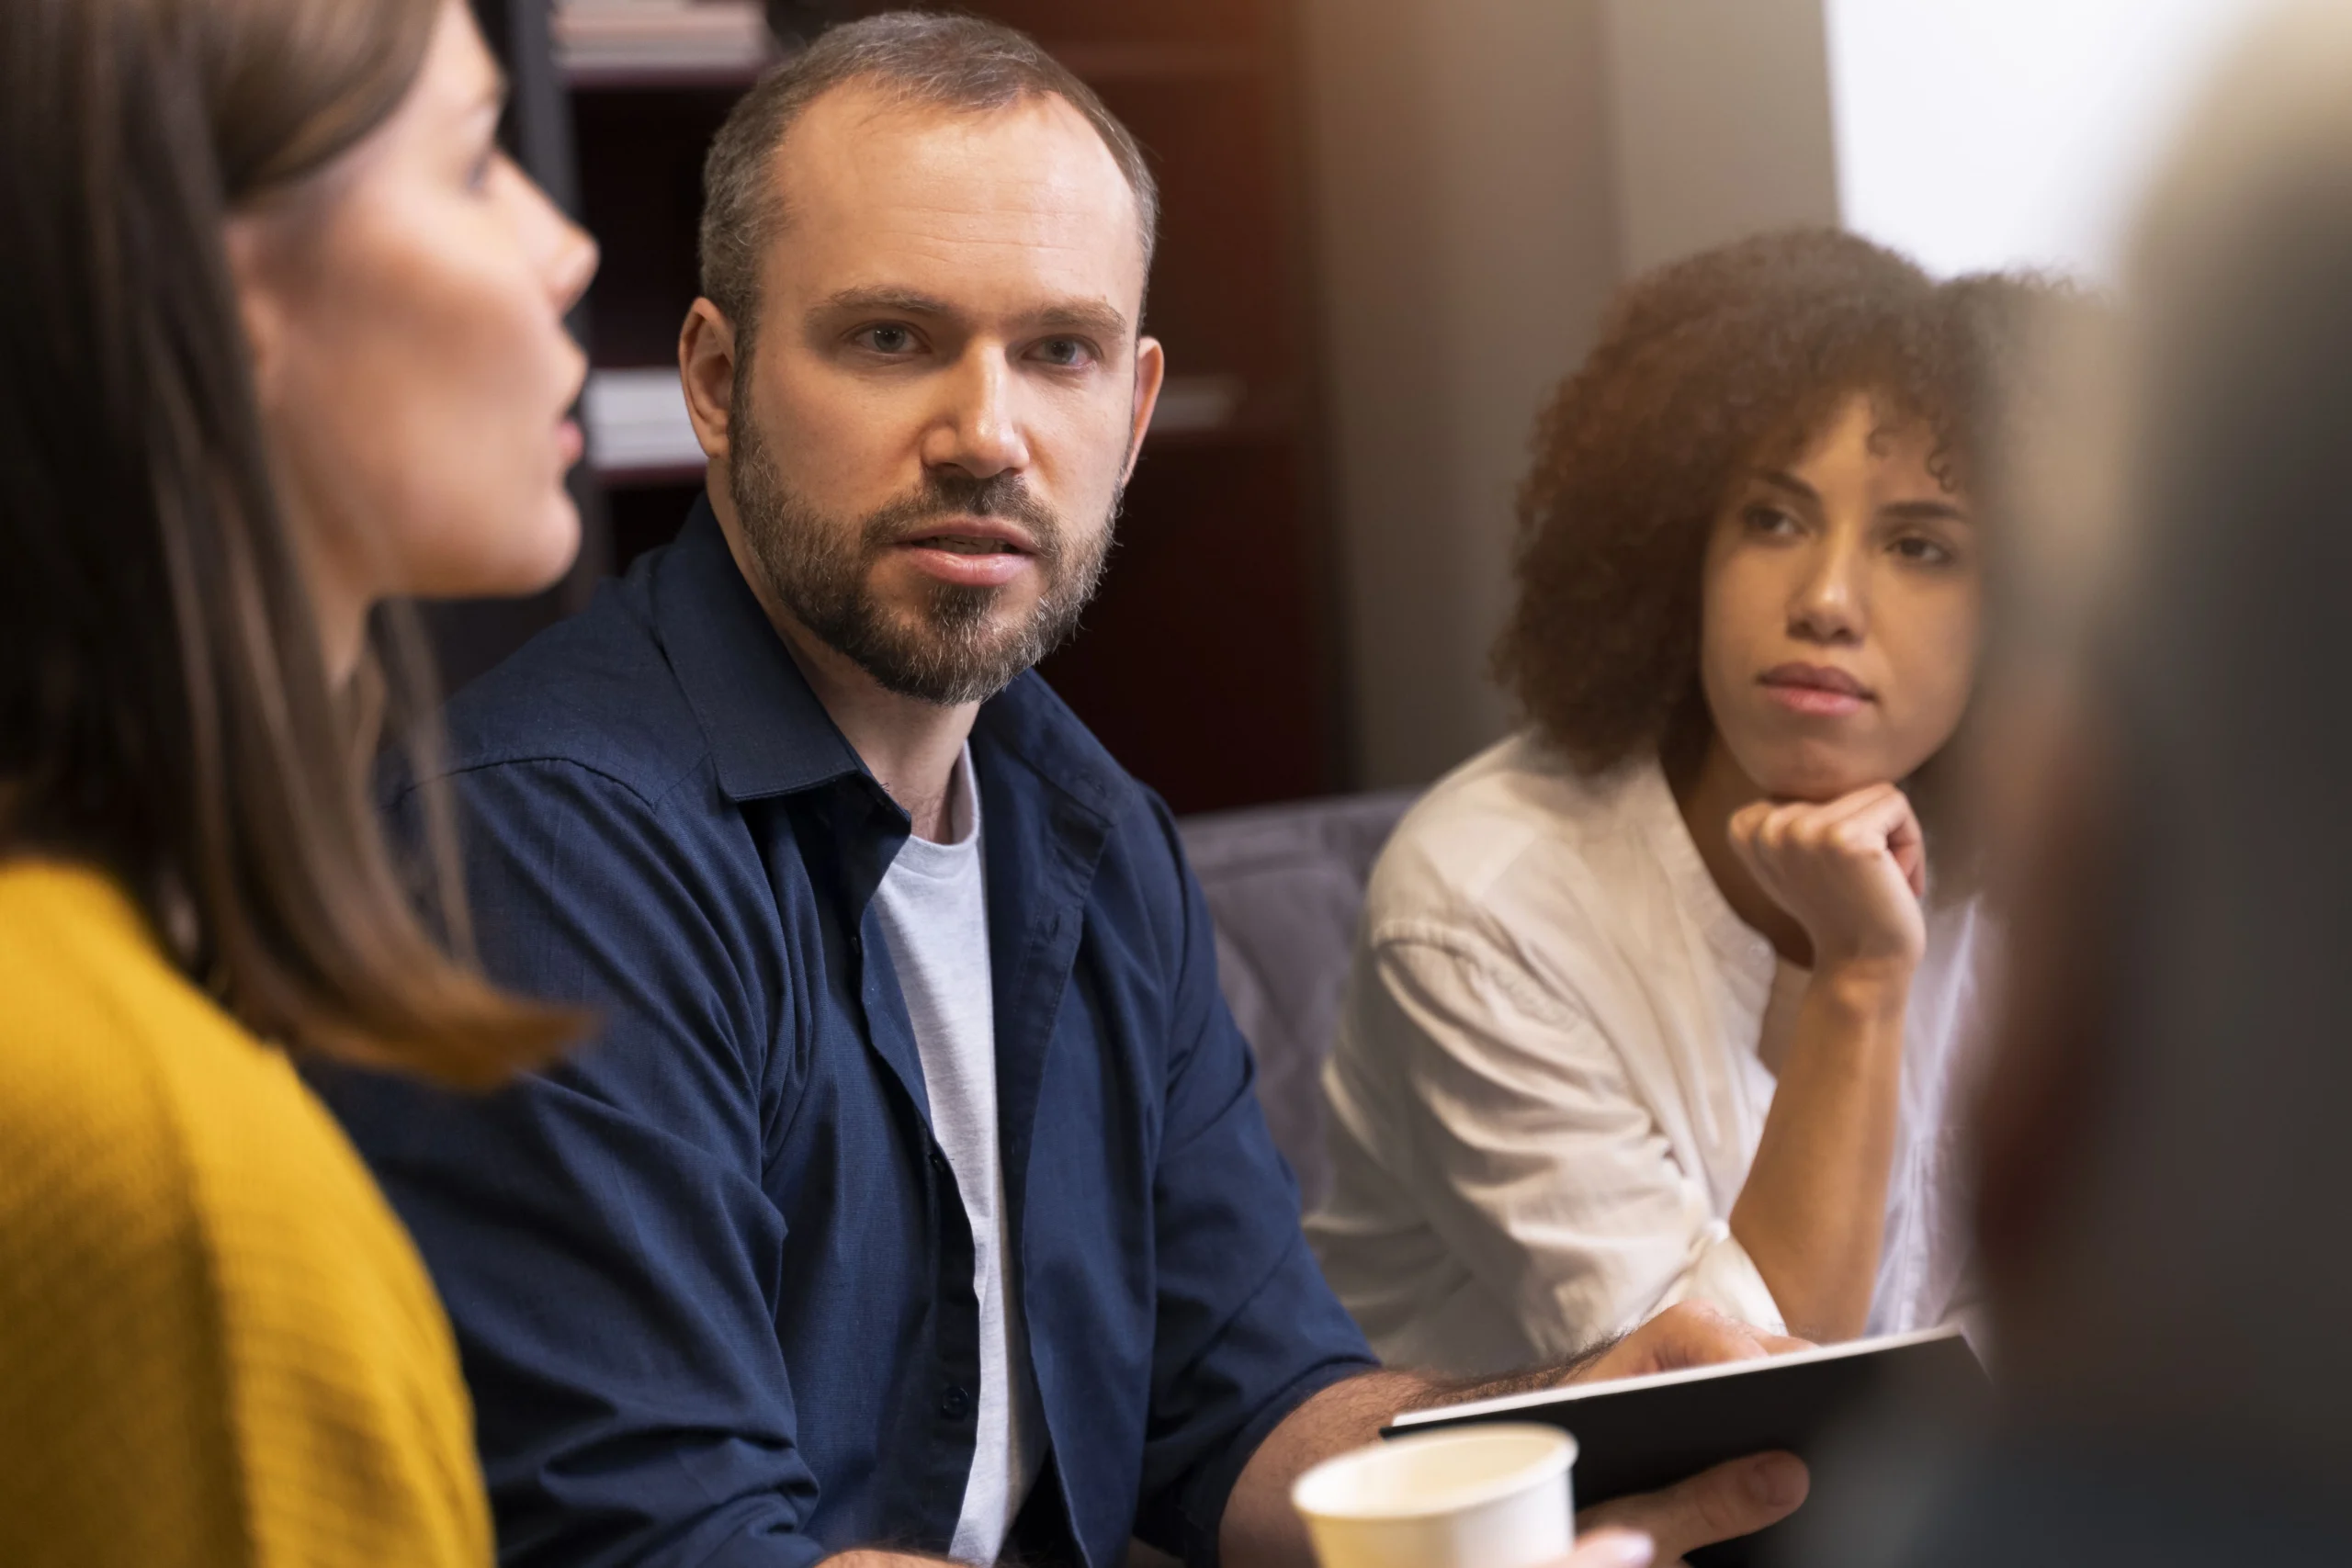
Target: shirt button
(953,1402)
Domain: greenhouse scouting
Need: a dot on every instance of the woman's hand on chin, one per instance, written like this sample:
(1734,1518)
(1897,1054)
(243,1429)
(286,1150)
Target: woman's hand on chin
(1851,871)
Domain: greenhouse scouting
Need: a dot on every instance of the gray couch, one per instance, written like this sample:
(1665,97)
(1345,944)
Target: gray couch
(1286,886)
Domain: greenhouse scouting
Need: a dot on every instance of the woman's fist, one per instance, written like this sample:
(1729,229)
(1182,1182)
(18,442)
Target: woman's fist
(1851,871)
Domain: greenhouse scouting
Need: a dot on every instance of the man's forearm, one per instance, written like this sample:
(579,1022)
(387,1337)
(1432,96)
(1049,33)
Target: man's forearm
(1436,1391)
(1260,1528)
(876,1557)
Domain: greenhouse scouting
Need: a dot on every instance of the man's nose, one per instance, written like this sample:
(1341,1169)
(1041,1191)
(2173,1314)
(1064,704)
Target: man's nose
(979,430)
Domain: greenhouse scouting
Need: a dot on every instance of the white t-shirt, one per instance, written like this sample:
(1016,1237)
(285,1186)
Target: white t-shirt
(933,904)
(1545,1090)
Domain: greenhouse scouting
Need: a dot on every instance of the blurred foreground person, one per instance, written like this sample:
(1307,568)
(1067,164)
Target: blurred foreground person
(282,336)
(1665,997)
(2166,1158)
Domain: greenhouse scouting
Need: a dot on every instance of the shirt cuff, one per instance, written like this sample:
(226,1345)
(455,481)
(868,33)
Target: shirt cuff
(1206,1493)
(757,1545)
(1722,1275)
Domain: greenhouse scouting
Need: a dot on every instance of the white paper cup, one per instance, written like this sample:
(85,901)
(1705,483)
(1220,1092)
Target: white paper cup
(1487,1496)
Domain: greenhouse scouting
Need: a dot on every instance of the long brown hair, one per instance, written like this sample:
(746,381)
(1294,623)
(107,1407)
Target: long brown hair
(165,708)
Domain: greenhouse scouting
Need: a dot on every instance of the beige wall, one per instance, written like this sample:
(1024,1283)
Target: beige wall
(1462,209)
(1481,172)
(1720,121)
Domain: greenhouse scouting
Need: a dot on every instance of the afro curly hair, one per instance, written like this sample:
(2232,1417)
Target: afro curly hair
(1732,358)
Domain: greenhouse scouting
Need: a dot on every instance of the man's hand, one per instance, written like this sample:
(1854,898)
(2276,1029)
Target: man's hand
(1261,1530)
(1688,1334)
(1734,1499)
(1610,1549)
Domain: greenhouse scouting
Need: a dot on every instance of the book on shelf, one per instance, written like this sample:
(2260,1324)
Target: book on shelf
(593,36)
(635,421)
(1190,404)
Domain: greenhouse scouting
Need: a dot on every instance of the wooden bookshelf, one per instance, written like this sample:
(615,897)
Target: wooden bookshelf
(1208,663)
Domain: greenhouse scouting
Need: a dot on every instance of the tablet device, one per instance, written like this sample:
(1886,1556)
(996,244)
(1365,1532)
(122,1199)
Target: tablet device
(1639,1433)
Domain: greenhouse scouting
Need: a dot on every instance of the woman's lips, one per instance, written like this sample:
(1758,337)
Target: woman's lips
(568,442)
(1817,691)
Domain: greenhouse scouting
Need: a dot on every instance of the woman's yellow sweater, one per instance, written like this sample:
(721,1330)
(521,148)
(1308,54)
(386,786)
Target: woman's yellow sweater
(217,1345)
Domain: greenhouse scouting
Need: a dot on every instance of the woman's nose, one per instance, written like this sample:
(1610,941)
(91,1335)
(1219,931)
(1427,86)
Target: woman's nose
(1831,602)
(574,265)
(563,254)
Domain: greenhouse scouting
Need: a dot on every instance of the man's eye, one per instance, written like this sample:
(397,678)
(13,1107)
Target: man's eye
(885,339)
(1068,353)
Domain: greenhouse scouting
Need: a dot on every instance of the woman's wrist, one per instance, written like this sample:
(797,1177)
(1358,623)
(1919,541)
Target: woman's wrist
(1867,985)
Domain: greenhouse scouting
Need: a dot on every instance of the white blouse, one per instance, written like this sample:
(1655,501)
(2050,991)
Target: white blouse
(1545,1091)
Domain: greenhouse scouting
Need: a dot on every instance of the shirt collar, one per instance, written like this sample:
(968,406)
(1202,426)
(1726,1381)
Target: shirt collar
(1744,953)
(768,734)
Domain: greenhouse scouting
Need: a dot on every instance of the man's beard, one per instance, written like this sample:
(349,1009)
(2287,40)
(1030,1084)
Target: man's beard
(946,647)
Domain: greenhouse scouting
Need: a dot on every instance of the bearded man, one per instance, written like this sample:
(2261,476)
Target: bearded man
(912,1194)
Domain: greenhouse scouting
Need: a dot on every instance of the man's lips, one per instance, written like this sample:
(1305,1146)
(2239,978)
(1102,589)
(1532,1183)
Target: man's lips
(1820,690)
(973,552)
(969,535)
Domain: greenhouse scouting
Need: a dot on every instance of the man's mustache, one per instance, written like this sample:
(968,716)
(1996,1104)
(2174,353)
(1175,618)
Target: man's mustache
(948,495)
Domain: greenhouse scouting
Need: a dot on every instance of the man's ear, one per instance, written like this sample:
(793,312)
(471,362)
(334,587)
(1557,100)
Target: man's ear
(1151,374)
(706,372)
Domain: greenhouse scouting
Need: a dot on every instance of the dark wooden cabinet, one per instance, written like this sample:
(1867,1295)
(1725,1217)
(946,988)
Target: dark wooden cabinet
(1207,664)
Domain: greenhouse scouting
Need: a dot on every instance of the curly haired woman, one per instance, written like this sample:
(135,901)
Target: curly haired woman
(1664,996)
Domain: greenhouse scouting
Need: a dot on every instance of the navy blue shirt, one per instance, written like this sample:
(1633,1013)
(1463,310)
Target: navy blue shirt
(711,1280)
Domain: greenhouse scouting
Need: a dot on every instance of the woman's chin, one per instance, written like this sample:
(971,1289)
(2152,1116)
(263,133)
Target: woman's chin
(548,552)
(560,538)
(1817,778)
(514,561)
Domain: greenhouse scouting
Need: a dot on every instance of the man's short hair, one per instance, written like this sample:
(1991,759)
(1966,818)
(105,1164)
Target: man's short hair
(958,64)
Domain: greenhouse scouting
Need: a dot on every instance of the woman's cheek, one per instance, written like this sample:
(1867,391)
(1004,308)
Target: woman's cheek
(1962,644)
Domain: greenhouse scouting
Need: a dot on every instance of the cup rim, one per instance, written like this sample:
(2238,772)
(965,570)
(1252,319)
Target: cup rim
(1559,1455)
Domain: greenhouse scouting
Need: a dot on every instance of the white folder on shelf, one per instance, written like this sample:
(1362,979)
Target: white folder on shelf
(637,419)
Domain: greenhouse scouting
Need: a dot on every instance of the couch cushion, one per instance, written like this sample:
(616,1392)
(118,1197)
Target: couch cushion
(1285,887)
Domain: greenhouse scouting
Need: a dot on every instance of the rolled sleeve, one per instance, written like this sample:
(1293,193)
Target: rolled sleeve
(1722,1275)
(1540,1165)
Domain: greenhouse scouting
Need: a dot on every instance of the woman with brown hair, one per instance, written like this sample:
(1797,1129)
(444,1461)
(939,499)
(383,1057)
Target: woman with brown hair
(283,339)
(1657,999)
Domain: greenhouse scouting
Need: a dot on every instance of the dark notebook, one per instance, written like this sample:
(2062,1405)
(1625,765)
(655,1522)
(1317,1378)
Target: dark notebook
(1643,1433)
